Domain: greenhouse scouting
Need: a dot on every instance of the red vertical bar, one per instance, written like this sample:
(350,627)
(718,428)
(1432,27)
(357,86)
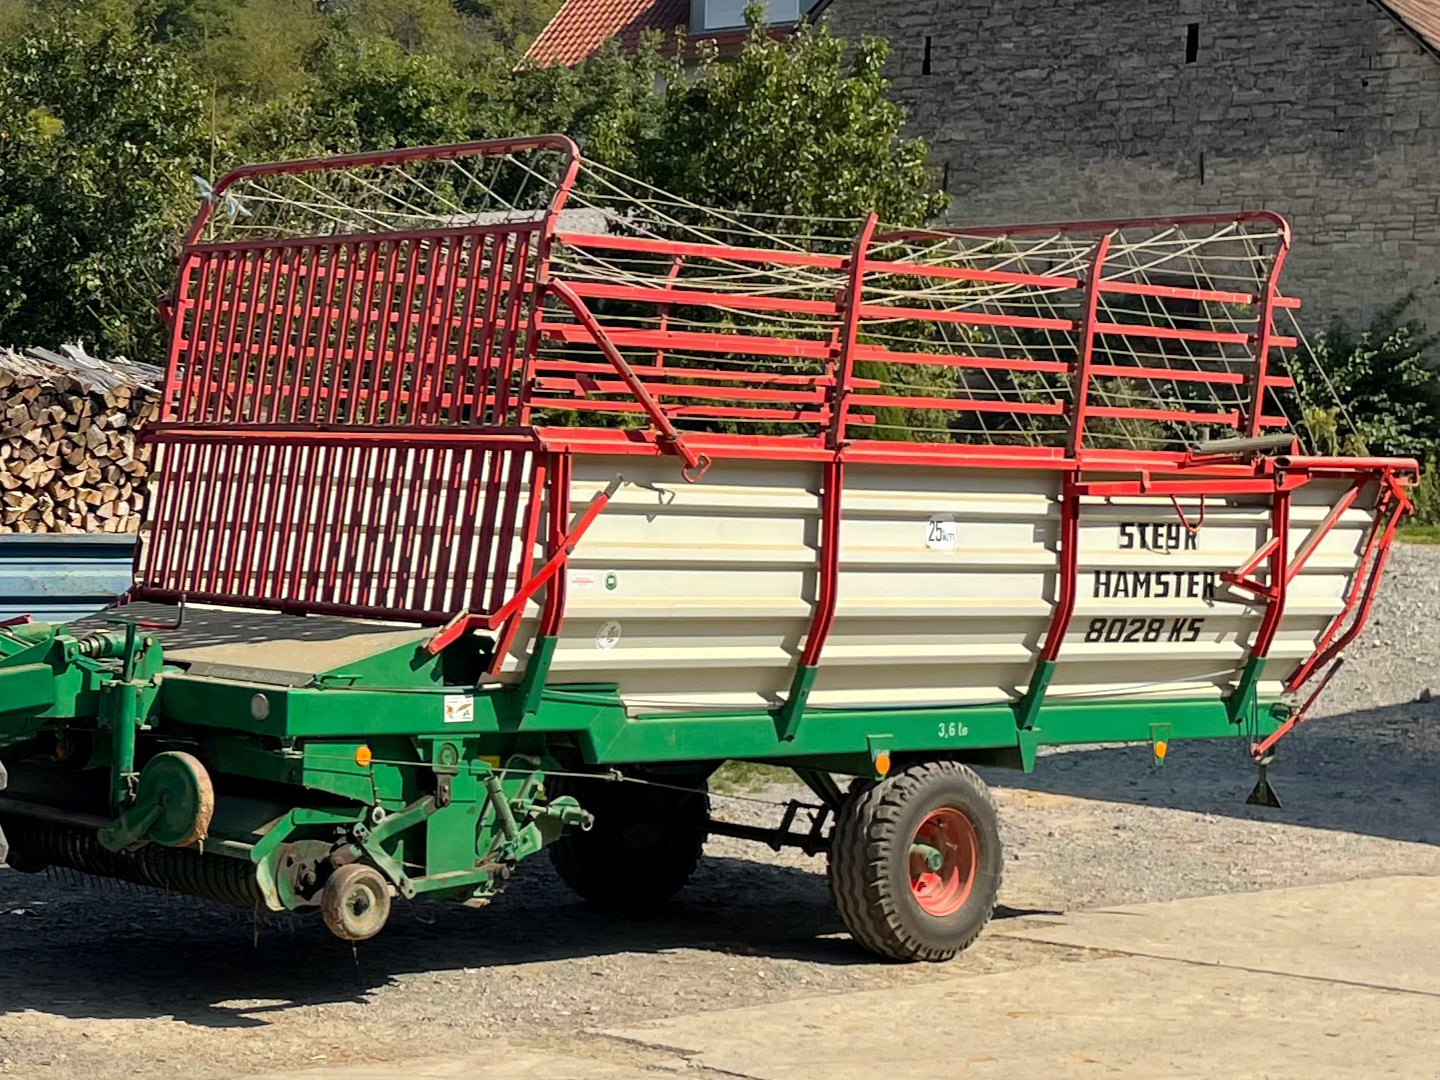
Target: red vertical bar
(509,519)
(228,529)
(362,498)
(404,547)
(303,555)
(378,325)
(425,525)
(664,309)
(1276,579)
(1265,338)
(361,355)
(270,474)
(182,342)
(402,410)
(1085,351)
(397,502)
(499,248)
(489,511)
(273,517)
(206,362)
(319,358)
(345,363)
(168,456)
(339,522)
(1067,572)
(827,591)
(465,335)
(221,405)
(290,366)
(559,518)
(444,364)
(237,345)
(473,483)
(279,263)
(514,300)
(179,526)
(444,597)
(422,385)
(845,361)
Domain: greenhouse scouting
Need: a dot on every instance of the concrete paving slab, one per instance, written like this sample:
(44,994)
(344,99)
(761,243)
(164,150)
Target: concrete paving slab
(512,1064)
(1382,932)
(1126,1018)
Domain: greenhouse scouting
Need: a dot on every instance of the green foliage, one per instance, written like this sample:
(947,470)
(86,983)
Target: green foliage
(109,106)
(1375,391)
(362,93)
(1426,493)
(791,127)
(99,134)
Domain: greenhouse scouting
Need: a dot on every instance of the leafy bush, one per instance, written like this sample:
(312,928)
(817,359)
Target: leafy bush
(1371,392)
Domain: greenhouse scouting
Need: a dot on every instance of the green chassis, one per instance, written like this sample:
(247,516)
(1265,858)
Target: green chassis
(440,785)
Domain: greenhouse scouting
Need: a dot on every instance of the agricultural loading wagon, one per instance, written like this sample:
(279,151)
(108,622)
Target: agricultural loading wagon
(500,499)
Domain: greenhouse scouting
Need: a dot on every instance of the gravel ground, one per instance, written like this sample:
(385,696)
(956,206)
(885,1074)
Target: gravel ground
(99,983)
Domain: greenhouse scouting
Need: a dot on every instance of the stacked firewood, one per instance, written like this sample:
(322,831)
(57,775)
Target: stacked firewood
(69,458)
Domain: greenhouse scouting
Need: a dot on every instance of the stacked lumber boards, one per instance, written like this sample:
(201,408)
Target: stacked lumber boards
(69,458)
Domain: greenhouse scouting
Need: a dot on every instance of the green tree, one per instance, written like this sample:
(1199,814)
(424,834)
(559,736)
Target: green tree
(792,127)
(99,134)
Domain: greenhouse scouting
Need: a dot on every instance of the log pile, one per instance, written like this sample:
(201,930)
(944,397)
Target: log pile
(69,458)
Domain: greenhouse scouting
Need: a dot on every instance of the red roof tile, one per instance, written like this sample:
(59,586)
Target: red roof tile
(582,26)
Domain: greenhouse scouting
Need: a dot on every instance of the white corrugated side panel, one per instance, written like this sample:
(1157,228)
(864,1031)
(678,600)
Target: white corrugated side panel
(700,595)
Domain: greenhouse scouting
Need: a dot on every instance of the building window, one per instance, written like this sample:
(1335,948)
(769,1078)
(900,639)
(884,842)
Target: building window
(925,62)
(1192,42)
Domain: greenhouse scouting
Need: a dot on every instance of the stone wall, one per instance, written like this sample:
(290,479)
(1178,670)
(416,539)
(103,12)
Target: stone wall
(1326,111)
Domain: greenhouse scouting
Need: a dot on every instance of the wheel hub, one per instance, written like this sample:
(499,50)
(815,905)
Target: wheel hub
(943,856)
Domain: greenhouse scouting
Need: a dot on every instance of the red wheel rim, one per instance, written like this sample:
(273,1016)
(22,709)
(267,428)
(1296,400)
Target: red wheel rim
(943,890)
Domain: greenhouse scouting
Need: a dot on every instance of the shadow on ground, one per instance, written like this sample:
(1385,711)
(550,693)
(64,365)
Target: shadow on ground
(1374,772)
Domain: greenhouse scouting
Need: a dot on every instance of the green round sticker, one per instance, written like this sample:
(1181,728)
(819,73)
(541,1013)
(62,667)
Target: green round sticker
(612,581)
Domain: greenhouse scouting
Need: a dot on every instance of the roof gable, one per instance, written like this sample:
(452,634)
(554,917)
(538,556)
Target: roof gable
(582,26)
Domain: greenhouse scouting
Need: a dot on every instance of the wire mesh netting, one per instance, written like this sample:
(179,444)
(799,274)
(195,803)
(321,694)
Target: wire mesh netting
(410,289)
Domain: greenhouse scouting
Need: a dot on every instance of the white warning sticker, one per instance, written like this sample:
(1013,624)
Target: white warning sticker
(941,534)
(582,579)
(608,636)
(459,709)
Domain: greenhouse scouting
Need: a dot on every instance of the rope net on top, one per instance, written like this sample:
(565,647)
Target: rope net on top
(736,321)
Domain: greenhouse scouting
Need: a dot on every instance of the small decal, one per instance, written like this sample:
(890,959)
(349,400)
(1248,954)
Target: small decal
(941,534)
(459,709)
(582,580)
(612,581)
(608,636)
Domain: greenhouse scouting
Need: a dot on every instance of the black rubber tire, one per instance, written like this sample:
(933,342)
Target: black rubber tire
(643,848)
(870,861)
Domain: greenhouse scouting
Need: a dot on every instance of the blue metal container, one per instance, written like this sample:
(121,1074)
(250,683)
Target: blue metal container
(57,577)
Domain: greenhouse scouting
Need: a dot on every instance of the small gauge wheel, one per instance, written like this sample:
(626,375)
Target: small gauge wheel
(355,902)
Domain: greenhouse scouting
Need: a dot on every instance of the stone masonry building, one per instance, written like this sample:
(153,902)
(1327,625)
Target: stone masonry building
(1326,111)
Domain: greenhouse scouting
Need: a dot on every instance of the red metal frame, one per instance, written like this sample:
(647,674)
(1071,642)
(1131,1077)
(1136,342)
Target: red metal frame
(380,393)
(827,571)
